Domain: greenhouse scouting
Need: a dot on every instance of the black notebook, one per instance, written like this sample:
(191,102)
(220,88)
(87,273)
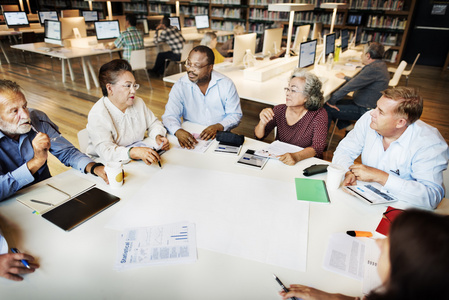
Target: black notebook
(80,208)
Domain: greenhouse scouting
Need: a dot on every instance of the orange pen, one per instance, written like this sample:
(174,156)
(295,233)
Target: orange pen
(359,233)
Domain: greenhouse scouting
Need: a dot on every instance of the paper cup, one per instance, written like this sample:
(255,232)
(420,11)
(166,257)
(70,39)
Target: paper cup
(335,175)
(115,174)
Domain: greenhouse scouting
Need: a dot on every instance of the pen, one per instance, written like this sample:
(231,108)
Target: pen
(24,261)
(42,202)
(283,286)
(359,233)
(158,162)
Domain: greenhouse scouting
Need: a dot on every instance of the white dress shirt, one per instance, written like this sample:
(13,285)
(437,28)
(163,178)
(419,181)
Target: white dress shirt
(220,104)
(415,161)
(111,131)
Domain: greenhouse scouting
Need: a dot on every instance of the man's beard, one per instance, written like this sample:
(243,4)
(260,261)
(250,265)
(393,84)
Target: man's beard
(12,129)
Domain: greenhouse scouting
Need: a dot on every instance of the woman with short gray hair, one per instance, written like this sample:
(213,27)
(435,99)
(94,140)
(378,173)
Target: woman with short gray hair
(301,121)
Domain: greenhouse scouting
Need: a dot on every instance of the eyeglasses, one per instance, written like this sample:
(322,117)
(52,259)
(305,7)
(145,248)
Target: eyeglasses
(391,214)
(190,66)
(136,86)
(288,90)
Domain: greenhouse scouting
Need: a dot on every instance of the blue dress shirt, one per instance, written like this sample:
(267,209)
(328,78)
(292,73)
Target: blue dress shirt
(220,104)
(414,162)
(14,155)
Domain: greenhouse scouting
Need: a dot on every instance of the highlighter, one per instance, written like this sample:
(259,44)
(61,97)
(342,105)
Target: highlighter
(359,233)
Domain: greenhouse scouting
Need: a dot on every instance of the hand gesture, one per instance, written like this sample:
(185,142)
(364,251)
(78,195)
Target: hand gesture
(266,115)
(147,155)
(164,141)
(11,265)
(185,139)
(211,131)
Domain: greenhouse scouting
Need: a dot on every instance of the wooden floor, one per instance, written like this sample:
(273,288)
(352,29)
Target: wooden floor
(68,104)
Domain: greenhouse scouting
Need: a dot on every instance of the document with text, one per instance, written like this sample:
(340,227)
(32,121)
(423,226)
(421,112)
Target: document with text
(156,245)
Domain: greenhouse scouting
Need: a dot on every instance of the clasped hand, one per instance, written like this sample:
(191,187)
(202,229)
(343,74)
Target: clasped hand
(187,140)
(364,173)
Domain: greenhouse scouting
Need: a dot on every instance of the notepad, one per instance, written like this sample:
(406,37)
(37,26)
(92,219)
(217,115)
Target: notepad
(313,190)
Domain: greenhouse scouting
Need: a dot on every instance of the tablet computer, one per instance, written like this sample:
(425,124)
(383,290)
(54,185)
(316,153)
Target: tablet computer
(371,193)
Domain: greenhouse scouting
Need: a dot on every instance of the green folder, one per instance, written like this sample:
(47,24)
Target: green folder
(313,190)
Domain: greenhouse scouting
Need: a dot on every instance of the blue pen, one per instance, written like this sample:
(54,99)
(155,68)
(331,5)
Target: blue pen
(24,261)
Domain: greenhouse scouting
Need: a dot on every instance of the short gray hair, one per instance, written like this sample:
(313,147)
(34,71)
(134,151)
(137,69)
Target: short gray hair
(312,89)
(10,86)
(208,38)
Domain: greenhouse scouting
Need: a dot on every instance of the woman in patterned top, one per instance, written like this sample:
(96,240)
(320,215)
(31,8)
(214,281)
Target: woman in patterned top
(301,121)
(413,264)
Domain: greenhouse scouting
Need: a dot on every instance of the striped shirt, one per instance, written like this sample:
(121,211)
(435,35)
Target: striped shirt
(129,40)
(309,131)
(172,37)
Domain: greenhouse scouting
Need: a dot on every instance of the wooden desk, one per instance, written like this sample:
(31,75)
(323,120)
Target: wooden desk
(78,264)
(271,91)
(65,55)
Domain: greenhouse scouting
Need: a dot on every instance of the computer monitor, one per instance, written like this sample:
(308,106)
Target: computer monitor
(241,44)
(16,19)
(329,44)
(358,35)
(48,15)
(307,53)
(202,21)
(302,33)
(68,24)
(344,40)
(52,32)
(122,22)
(69,13)
(90,15)
(354,19)
(316,32)
(142,25)
(272,39)
(106,30)
(174,21)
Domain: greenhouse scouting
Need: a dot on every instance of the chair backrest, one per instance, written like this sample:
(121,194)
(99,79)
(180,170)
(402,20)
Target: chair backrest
(397,75)
(12,7)
(185,51)
(414,63)
(83,139)
(138,60)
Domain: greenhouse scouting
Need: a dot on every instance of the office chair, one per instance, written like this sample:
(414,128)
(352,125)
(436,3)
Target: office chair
(138,61)
(397,75)
(406,72)
(184,55)
(83,139)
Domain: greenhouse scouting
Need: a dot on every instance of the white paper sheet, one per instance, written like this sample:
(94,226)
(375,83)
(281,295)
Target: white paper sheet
(156,245)
(355,258)
(278,148)
(201,147)
(245,216)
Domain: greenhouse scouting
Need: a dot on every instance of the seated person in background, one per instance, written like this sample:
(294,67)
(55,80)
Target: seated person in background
(24,152)
(210,40)
(165,33)
(11,265)
(131,39)
(202,96)
(120,119)
(366,85)
(413,263)
(302,121)
(398,150)
(227,49)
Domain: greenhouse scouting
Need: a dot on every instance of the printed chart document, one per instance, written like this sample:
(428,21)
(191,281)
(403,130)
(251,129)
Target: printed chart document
(156,245)
(278,148)
(202,145)
(354,258)
(371,193)
(246,216)
(252,160)
(228,149)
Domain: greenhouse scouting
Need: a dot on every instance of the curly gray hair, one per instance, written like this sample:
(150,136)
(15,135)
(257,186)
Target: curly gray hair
(312,89)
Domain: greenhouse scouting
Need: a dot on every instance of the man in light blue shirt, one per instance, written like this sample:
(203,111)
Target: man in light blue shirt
(26,137)
(203,96)
(399,151)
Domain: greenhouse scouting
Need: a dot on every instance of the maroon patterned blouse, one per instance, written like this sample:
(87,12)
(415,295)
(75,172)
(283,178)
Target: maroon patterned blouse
(309,131)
